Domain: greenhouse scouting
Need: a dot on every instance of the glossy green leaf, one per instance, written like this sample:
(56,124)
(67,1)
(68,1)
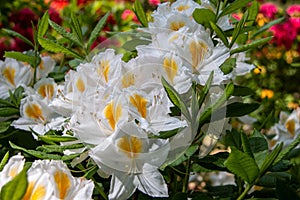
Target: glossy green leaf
(271,179)
(233,7)
(238,109)
(4,126)
(8,111)
(220,33)
(242,165)
(269,161)
(246,145)
(4,103)
(251,45)
(176,99)
(21,57)
(131,44)
(58,148)
(43,25)
(17,35)
(95,33)
(253,11)
(4,161)
(56,138)
(242,91)
(76,27)
(37,154)
(166,134)
(16,188)
(70,36)
(238,29)
(140,13)
(57,48)
(204,16)
(228,65)
(181,157)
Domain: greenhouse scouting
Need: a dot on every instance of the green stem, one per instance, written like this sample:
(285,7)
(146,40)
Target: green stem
(242,196)
(186,177)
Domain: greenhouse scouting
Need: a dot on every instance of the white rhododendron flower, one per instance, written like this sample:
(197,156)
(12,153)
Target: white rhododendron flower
(36,115)
(46,66)
(12,75)
(287,129)
(12,168)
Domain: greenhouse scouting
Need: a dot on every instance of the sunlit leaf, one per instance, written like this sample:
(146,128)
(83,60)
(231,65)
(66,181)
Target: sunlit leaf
(140,13)
(17,35)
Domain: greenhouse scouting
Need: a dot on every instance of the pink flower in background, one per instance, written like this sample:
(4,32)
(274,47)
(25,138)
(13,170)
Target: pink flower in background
(294,12)
(284,34)
(129,14)
(154,2)
(54,16)
(269,10)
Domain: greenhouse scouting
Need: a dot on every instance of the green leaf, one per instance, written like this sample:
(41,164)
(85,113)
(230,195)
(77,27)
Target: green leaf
(57,48)
(58,148)
(204,17)
(238,109)
(8,111)
(233,7)
(267,26)
(4,103)
(21,57)
(18,35)
(258,144)
(251,45)
(97,30)
(287,150)
(206,88)
(271,179)
(220,33)
(246,145)
(242,91)
(16,188)
(269,161)
(56,138)
(295,64)
(242,165)
(282,166)
(238,29)
(228,65)
(181,157)
(253,11)
(176,99)
(38,154)
(70,36)
(166,134)
(140,13)
(76,27)
(4,126)
(43,25)
(4,161)
(131,44)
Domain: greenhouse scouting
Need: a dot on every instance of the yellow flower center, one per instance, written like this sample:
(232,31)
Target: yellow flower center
(46,90)
(34,112)
(112,114)
(290,126)
(34,193)
(131,146)
(140,104)
(9,73)
(171,68)
(63,183)
(182,7)
(175,26)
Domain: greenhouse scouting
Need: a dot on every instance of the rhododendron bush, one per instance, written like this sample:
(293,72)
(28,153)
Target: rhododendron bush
(145,113)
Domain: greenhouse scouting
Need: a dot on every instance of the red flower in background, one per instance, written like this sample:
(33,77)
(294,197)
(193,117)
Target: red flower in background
(54,16)
(154,2)
(294,12)
(284,34)
(58,5)
(129,15)
(269,10)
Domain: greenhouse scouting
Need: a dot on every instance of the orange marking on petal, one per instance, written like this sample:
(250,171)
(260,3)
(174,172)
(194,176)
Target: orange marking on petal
(112,114)
(198,51)
(80,85)
(9,73)
(171,68)
(34,111)
(130,145)
(175,26)
(63,183)
(290,126)
(128,80)
(32,193)
(182,7)
(140,103)
(104,69)
(46,90)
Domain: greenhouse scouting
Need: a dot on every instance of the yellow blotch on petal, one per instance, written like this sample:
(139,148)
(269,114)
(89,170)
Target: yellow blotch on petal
(290,126)
(46,90)
(63,183)
(9,73)
(182,7)
(41,65)
(32,193)
(112,113)
(130,145)
(34,112)
(13,172)
(175,26)
(171,68)
(198,51)
(128,80)
(140,104)
(103,70)
(80,85)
